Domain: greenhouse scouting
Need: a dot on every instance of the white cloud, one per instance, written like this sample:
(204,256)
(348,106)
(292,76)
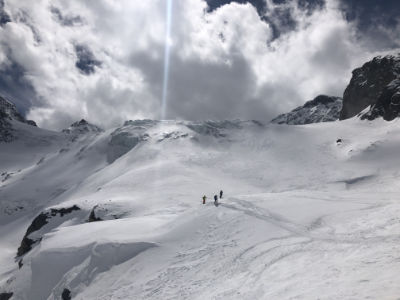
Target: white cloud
(224,64)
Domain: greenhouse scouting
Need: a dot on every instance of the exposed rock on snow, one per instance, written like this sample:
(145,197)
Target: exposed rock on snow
(82,127)
(388,105)
(217,128)
(146,123)
(10,112)
(92,216)
(5,296)
(375,84)
(172,135)
(66,294)
(37,224)
(321,109)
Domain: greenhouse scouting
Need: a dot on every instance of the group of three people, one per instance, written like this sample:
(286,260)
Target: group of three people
(215,198)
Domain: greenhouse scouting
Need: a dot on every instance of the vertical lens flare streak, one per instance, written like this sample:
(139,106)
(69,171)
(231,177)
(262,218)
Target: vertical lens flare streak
(166,59)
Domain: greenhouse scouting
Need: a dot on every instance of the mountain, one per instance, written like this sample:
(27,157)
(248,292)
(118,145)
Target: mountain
(375,84)
(8,115)
(82,127)
(118,214)
(321,109)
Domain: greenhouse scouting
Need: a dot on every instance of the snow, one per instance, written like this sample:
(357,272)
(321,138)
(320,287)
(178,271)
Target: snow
(302,217)
(321,109)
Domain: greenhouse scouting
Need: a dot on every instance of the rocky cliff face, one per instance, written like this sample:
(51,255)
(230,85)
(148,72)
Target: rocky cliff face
(8,113)
(321,109)
(375,84)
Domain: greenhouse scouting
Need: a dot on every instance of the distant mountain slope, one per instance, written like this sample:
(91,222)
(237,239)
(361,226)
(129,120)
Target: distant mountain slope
(375,84)
(321,109)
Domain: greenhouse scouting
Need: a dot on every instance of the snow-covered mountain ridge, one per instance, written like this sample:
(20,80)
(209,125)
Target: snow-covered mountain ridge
(321,109)
(308,211)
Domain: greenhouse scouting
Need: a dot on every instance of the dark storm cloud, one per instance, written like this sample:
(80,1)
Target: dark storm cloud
(277,13)
(369,13)
(376,20)
(66,20)
(4,17)
(372,17)
(86,62)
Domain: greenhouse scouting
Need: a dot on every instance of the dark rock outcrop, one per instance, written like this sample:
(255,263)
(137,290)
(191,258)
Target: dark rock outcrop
(375,84)
(92,216)
(32,123)
(82,127)
(5,296)
(214,128)
(8,113)
(66,294)
(41,220)
(388,104)
(321,109)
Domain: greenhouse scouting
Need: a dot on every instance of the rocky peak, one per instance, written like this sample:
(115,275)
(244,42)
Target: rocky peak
(81,127)
(9,113)
(82,122)
(375,84)
(321,109)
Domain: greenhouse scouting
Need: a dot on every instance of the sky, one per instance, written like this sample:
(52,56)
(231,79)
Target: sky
(105,60)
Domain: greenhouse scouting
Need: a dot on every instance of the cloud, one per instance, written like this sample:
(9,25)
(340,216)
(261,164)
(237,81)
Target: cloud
(69,20)
(103,60)
(86,62)
(4,17)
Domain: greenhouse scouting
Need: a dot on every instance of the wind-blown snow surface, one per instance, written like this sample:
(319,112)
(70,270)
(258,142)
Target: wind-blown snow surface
(303,216)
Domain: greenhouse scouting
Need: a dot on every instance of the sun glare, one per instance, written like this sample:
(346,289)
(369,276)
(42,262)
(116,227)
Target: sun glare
(168,43)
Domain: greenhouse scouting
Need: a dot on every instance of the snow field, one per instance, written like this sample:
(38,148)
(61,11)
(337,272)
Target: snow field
(303,217)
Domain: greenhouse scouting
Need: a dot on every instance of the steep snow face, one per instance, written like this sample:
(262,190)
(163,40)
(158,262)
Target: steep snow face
(128,136)
(321,109)
(375,84)
(307,211)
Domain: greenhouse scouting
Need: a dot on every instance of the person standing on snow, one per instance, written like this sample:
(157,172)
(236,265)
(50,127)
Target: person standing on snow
(204,199)
(215,200)
(220,194)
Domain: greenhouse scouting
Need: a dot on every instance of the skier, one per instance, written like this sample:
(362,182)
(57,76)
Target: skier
(215,200)
(204,199)
(220,194)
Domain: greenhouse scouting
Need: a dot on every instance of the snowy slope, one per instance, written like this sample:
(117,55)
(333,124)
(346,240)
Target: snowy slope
(309,212)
